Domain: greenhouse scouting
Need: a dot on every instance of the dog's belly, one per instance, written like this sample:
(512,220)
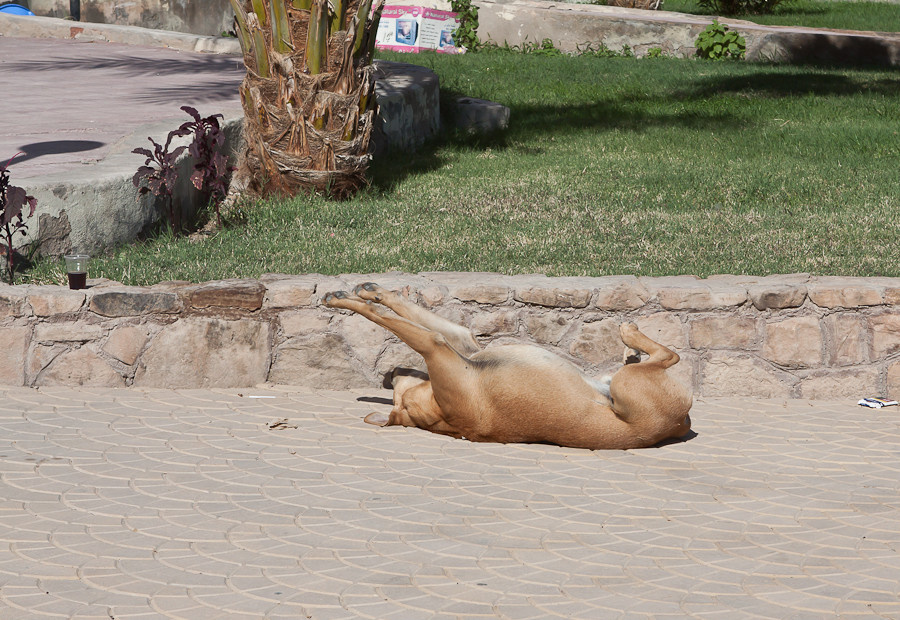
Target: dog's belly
(529,361)
(529,394)
(522,354)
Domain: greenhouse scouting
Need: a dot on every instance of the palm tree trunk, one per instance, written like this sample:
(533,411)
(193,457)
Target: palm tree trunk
(308,95)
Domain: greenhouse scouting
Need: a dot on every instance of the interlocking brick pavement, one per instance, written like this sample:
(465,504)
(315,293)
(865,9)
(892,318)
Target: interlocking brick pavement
(186,504)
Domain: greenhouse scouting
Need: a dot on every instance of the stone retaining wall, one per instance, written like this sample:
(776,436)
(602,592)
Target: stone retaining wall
(772,337)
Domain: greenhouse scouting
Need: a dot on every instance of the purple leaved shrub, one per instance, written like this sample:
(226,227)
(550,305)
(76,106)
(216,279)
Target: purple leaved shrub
(13,201)
(211,170)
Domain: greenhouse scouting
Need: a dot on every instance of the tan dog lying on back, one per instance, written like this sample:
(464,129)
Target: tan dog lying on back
(521,393)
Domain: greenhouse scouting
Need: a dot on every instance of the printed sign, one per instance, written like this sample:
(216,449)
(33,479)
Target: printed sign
(416,28)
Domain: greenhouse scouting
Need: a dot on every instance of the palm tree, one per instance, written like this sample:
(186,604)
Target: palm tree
(309,92)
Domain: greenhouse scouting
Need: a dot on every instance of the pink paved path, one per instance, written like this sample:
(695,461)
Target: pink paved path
(200,504)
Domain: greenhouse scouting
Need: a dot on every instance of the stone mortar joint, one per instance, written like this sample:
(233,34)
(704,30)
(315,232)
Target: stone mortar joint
(782,336)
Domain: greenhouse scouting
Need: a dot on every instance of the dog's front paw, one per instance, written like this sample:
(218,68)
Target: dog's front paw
(332,300)
(369,291)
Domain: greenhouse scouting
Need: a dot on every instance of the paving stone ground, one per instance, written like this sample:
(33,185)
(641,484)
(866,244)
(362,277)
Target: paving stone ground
(197,504)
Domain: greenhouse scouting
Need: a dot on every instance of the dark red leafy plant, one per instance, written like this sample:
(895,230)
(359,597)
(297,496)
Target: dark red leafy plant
(160,180)
(159,173)
(13,201)
(211,170)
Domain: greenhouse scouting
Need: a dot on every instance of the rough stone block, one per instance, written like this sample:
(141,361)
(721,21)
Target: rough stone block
(39,357)
(126,343)
(777,296)
(180,288)
(204,353)
(885,334)
(408,106)
(893,381)
(498,321)
(80,367)
(844,293)
(13,342)
(12,301)
(621,295)
(450,280)
(290,293)
(454,314)
(840,384)
(243,294)
(737,374)
(664,328)
(405,284)
(786,278)
(321,361)
(546,327)
(683,371)
(654,284)
(53,300)
(398,355)
(795,342)
(303,322)
(892,294)
(702,296)
(479,116)
(598,342)
(554,297)
(67,332)
(733,279)
(494,294)
(430,296)
(329,284)
(724,332)
(847,335)
(364,337)
(134,302)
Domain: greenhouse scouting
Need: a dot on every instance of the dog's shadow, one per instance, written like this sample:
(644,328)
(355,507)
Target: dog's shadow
(673,440)
(375,399)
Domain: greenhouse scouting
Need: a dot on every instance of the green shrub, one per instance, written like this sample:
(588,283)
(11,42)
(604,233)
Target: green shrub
(466,34)
(717,42)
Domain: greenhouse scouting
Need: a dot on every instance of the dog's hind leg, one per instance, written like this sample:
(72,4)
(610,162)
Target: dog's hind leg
(451,381)
(432,345)
(644,395)
(459,337)
(659,354)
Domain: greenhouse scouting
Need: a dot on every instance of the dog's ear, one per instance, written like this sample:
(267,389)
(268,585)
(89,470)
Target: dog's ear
(378,419)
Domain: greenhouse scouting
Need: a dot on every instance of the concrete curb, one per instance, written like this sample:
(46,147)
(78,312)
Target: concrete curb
(571,26)
(54,28)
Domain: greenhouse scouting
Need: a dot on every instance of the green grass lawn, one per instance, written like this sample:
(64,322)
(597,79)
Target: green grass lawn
(610,166)
(878,16)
